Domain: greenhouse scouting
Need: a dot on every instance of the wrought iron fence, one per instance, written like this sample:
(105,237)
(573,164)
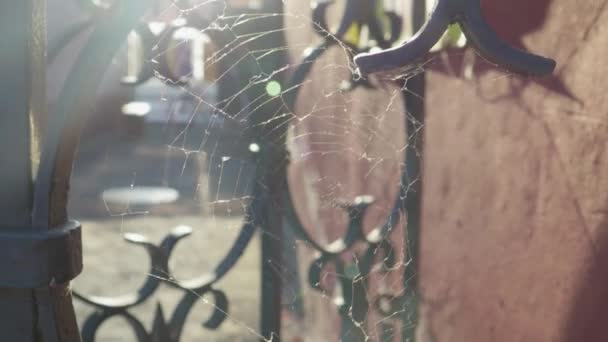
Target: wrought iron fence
(42,261)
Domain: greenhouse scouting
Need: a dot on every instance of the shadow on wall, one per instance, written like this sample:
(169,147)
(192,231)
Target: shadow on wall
(512,21)
(587,319)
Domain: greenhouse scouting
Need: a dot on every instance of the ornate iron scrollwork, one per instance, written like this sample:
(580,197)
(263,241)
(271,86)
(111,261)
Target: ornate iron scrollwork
(467,14)
(357,13)
(107,37)
(193,290)
(353,304)
(62,139)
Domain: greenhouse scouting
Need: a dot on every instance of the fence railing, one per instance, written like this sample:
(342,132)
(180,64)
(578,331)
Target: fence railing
(41,247)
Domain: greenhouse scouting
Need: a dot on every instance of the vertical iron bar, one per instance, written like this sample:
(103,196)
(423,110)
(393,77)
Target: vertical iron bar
(15,133)
(272,256)
(274,177)
(414,98)
(17,306)
(26,314)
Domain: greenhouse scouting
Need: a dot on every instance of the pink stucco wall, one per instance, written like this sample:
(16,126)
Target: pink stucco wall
(515,208)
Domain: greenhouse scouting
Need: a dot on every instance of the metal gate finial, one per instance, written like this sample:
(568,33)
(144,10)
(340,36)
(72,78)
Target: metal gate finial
(468,14)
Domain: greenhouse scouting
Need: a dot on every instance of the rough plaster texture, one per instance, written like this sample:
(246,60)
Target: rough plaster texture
(515,209)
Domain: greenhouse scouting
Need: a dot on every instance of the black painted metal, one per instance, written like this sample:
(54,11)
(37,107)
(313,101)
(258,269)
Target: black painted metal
(360,13)
(63,133)
(34,259)
(263,213)
(414,104)
(357,13)
(40,247)
(193,289)
(38,258)
(468,14)
(17,305)
(272,242)
(53,256)
(353,304)
(269,133)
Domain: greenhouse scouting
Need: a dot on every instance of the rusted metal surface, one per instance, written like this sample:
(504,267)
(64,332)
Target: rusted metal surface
(515,203)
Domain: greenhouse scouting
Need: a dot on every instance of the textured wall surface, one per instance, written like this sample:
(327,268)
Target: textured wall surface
(515,208)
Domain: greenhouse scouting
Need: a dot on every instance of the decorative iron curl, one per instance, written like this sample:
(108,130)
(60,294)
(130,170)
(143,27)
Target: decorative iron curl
(357,13)
(192,289)
(159,272)
(110,26)
(468,15)
(353,304)
(63,133)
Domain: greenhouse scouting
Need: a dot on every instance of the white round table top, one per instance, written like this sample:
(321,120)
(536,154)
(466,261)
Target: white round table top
(140,195)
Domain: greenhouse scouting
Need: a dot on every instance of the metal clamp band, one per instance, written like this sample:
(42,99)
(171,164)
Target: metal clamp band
(39,259)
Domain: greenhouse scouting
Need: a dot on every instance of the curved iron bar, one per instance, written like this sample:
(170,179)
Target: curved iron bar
(66,37)
(193,289)
(105,40)
(354,232)
(55,169)
(468,15)
(360,12)
(357,13)
(352,304)
(63,133)
(95,320)
(97,10)
(162,331)
(355,210)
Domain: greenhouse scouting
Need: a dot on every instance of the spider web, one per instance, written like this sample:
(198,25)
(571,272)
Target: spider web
(181,152)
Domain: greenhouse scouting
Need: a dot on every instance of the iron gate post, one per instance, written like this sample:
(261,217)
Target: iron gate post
(274,177)
(414,104)
(36,261)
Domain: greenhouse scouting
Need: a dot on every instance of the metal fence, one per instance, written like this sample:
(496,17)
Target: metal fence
(41,247)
